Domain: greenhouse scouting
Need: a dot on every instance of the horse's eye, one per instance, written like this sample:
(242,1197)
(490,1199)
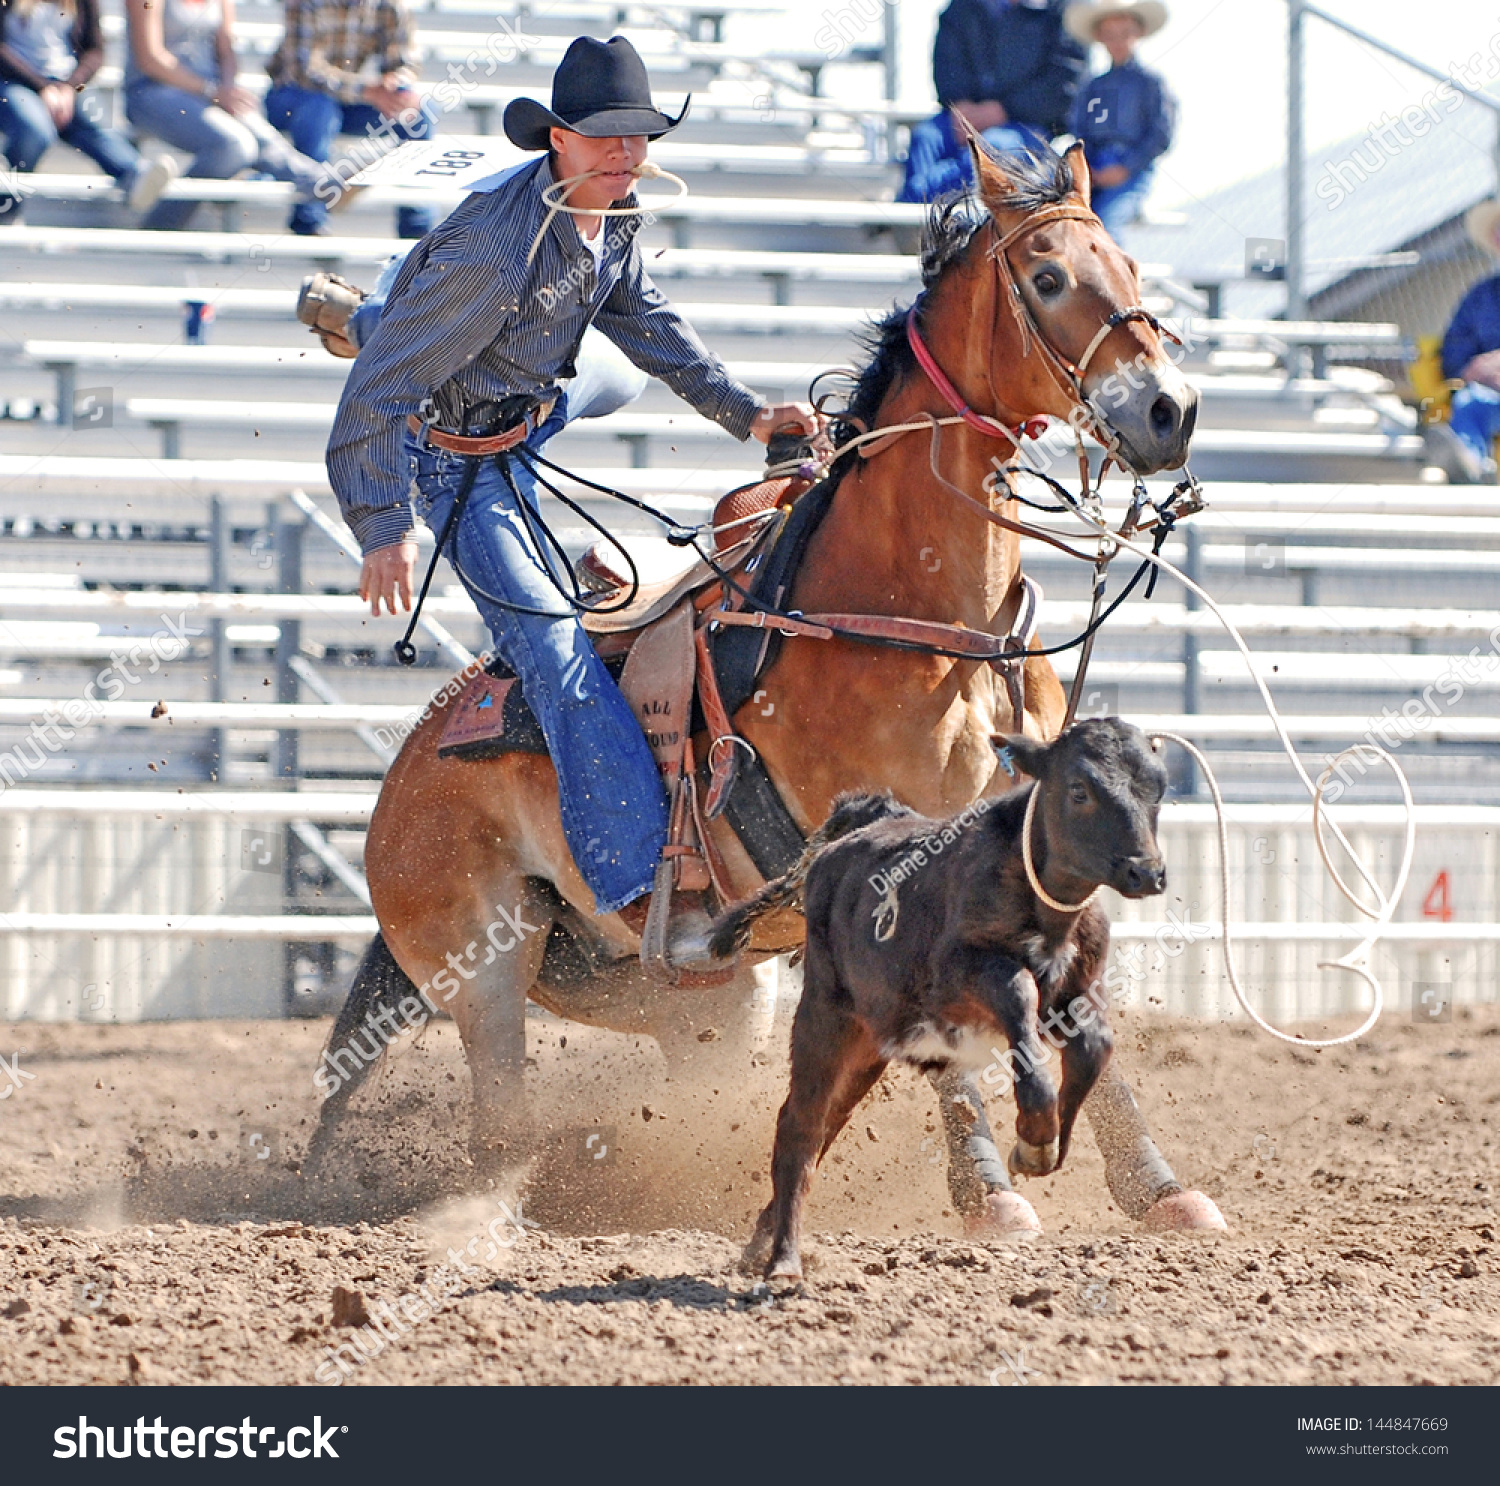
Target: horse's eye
(1047,283)
(1078,794)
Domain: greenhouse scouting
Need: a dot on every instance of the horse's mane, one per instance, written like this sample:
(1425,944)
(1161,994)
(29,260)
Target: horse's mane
(952,221)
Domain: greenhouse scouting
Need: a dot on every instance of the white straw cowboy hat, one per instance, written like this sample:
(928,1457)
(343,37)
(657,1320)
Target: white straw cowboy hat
(1481,222)
(1081,20)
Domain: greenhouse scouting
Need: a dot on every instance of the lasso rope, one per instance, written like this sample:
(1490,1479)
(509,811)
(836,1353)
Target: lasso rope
(1384,904)
(555,197)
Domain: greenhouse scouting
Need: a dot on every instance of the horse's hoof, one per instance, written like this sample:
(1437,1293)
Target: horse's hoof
(1184,1212)
(1004,1215)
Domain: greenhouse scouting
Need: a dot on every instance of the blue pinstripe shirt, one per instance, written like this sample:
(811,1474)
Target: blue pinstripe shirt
(466,308)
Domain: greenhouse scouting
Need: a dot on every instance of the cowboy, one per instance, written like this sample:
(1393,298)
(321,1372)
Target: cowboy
(1010,71)
(481,345)
(1471,354)
(1125,116)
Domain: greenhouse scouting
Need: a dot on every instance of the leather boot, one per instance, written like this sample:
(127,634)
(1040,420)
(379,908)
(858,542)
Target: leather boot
(325,303)
(688,930)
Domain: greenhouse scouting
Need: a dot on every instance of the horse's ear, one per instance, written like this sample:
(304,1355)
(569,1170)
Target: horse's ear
(1020,754)
(993,181)
(1083,183)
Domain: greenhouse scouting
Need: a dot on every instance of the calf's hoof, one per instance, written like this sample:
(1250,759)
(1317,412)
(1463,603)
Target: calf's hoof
(1184,1212)
(1032,1160)
(1004,1215)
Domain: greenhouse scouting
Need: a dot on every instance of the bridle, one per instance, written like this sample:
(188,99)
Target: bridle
(1067,375)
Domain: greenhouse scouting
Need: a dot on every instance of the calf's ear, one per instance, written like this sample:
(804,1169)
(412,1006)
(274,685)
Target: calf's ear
(1020,754)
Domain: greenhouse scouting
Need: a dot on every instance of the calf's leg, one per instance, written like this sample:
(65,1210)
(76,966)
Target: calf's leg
(1011,994)
(1139,1178)
(978,1182)
(835,1062)
(1086,1045)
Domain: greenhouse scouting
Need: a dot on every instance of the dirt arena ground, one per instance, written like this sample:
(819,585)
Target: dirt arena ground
(145,1238)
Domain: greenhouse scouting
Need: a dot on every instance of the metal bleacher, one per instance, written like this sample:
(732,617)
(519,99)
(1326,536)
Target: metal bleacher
(143,480)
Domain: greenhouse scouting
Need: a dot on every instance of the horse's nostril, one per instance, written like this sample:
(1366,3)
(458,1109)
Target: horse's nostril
(1165,417)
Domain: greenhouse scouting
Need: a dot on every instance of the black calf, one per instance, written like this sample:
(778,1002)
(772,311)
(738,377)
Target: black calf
(928,939)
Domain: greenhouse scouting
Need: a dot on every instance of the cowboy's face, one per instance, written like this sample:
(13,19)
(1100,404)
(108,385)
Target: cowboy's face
(617,157)
(1118,35)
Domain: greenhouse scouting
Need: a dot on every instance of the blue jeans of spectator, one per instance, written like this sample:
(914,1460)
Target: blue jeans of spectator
(27,133)
(1476,418)
(222,144)
(614,809)
(314,120)
(937,161)
(1118,206)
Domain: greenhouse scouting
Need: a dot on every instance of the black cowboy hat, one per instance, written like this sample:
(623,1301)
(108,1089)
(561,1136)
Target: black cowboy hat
(600,89)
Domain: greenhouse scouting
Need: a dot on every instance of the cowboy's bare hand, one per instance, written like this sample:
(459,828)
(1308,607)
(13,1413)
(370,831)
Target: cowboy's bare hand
(798,417)
(387,573)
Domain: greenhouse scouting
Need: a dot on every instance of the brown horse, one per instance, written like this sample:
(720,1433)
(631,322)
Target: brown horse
(1016,296)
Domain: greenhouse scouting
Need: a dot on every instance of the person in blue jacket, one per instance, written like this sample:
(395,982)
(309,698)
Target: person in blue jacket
(1471,354)
(1009,68)
(1125,117)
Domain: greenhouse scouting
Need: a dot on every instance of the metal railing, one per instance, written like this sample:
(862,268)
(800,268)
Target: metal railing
(1297,13)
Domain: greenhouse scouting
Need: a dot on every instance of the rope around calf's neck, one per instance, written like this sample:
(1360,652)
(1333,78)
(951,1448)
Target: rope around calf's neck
(1031,872)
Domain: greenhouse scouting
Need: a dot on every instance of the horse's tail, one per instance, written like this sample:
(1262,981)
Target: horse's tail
(378,983)
(851,812)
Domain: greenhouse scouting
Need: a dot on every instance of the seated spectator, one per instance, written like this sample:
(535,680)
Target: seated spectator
(180,86)
(49,49)
(1471,354)
(1010,70)
(319,90)
(1125,117)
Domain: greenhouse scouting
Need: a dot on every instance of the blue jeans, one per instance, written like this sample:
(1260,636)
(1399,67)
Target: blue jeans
(1476,418)
(1118,206)
(937,161)
(614,808)
(314,120)
(221,144)
(27,133)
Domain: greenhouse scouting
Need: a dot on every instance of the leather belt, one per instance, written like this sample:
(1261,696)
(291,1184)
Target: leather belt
(495,443)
